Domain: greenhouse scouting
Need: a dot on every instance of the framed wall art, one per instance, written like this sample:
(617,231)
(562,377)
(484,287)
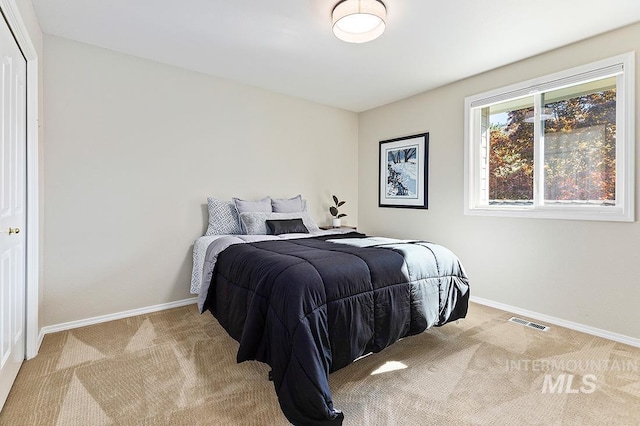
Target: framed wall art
(403,172)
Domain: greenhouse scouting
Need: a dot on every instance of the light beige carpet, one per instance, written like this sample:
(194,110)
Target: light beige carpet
(178,368)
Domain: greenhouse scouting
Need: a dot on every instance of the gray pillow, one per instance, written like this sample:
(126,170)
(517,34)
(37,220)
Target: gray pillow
(288,205)
(223,218)
(263,205)
(255,223)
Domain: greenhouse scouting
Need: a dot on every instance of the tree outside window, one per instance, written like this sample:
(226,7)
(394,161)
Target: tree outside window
(559,146)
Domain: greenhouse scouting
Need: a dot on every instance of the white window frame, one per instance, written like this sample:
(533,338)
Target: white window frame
(623,66)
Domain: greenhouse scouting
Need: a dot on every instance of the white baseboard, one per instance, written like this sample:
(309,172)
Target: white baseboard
(31,353)
(110,317)
(621,338)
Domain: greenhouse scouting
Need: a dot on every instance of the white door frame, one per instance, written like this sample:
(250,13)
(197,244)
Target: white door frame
(32,327)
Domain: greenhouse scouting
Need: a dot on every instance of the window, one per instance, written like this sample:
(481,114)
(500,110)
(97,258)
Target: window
(561,146)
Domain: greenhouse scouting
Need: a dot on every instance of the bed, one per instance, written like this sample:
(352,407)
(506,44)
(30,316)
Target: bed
(308,304)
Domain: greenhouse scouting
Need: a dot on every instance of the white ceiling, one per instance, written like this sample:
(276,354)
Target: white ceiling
(287,46)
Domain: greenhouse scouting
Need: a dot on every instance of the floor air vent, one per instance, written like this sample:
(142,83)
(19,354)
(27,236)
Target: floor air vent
(529,324)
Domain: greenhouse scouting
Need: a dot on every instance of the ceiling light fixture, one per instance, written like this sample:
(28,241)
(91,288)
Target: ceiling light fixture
(359,21)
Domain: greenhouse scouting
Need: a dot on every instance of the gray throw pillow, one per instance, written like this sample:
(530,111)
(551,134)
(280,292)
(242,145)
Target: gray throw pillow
(263,205)
(255,223)
(288,205)
(223,218)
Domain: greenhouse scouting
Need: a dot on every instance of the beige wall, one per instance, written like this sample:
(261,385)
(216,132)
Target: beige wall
(133,150)
(581,271)
(135,147)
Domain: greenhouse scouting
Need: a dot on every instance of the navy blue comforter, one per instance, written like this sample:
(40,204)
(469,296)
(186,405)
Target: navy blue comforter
(308,307)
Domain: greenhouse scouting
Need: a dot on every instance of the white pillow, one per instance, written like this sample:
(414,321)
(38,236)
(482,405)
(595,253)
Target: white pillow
(255,223)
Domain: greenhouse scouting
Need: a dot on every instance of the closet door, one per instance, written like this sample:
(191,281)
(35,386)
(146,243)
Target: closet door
(12,208)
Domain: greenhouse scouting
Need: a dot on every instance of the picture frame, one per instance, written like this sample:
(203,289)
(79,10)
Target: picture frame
(403,172)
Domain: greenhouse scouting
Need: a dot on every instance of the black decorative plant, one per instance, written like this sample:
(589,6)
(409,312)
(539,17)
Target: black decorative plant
(334,209)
